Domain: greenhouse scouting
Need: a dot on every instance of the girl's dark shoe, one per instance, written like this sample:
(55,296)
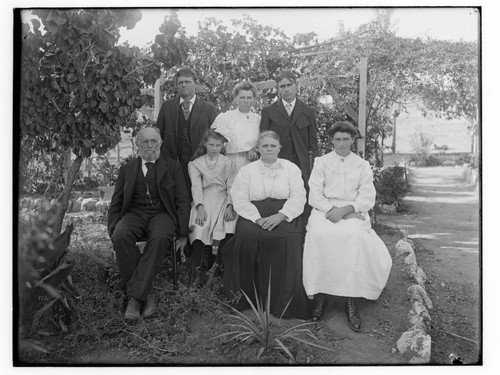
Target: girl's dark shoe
(352,315)
(319,306)
(212,273)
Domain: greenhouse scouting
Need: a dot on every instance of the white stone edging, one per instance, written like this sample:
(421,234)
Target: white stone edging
(416,341)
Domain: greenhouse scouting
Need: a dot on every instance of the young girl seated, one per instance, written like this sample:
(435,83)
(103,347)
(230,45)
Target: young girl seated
(212,216)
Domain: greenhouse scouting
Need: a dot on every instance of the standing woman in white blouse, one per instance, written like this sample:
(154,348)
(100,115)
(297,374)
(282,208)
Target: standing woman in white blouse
(269,197)
(343,256)
(240,126)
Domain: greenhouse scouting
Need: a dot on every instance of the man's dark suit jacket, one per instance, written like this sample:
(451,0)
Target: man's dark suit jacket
(171,187)
(302,131)
(203,115)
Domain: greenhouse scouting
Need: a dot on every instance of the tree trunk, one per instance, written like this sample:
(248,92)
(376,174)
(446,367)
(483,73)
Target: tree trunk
(64,197)
(51,190)
(394,135)
(382,151)
(67,165)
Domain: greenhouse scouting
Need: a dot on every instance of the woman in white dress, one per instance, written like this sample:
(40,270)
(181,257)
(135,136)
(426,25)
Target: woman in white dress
(240,126)
(269,197)
(343,256)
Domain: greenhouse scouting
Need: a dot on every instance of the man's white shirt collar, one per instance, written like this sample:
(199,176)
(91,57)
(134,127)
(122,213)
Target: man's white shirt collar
(191,100)
(292,103)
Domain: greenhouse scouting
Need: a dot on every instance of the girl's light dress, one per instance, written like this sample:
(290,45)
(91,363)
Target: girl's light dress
(210,187)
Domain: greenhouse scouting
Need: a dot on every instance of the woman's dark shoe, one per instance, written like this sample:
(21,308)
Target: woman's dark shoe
(318,307)
(212,273)
(352,315)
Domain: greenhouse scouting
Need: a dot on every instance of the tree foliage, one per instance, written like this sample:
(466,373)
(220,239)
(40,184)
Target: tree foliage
(76,92)
(78,88)
(223,56)
(449,79)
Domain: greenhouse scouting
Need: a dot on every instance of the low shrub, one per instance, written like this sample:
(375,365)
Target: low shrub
(44,280)
(391,183)
(103,173)
(422,160)
(37,171)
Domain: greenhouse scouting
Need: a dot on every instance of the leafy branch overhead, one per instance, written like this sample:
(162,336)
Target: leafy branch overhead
(79,89)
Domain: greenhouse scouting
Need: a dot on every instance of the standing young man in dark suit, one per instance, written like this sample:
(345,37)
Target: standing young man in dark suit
(150,201)
(294,122)
(183,120)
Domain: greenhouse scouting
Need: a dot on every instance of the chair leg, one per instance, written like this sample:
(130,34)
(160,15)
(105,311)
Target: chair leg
(174,266)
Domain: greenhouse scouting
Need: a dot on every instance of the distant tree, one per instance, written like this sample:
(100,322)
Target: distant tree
(305,39)
(449,79)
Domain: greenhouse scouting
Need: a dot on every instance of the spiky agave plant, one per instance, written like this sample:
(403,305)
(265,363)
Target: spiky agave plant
(247,330)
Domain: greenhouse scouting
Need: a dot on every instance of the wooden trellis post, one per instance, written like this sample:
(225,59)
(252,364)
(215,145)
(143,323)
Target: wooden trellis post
(158,96)
(363,69)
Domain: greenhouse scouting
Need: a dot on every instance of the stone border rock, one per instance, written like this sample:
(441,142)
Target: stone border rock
(416,341)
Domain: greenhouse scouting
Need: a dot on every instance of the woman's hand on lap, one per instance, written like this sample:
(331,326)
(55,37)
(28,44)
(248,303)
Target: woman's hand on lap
(271,222)
(338,213)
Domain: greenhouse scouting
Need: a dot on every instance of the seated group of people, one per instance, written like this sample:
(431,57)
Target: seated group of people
(244,190)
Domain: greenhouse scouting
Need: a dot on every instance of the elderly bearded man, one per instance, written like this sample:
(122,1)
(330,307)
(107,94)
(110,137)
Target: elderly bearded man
(150,201)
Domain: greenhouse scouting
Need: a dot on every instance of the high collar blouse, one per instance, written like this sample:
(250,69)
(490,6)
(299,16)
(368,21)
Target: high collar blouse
(241,130)
(256,182)
(339,181)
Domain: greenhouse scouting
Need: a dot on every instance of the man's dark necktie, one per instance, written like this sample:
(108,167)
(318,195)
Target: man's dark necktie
(185,109)
(149,165)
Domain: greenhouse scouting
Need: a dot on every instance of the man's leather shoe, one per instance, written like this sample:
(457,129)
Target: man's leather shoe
(133,310)
(149,307)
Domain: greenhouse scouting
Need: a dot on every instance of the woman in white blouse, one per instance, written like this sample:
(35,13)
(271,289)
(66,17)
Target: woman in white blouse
(343,256)
(269,197)
(240,126)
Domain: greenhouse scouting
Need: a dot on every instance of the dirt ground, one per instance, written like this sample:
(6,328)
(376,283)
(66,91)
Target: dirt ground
(442,219)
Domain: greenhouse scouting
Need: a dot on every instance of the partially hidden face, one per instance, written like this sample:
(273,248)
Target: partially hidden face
(149,144)
(245,100)
(269,148)
(186,87)
(287,89)
(342,143)
(213,146)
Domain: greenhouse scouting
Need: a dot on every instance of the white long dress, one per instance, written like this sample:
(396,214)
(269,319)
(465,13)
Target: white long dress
(346,258)
(241,130)
(211,183)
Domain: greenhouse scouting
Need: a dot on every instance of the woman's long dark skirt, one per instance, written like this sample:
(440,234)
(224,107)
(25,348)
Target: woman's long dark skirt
(254,254)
